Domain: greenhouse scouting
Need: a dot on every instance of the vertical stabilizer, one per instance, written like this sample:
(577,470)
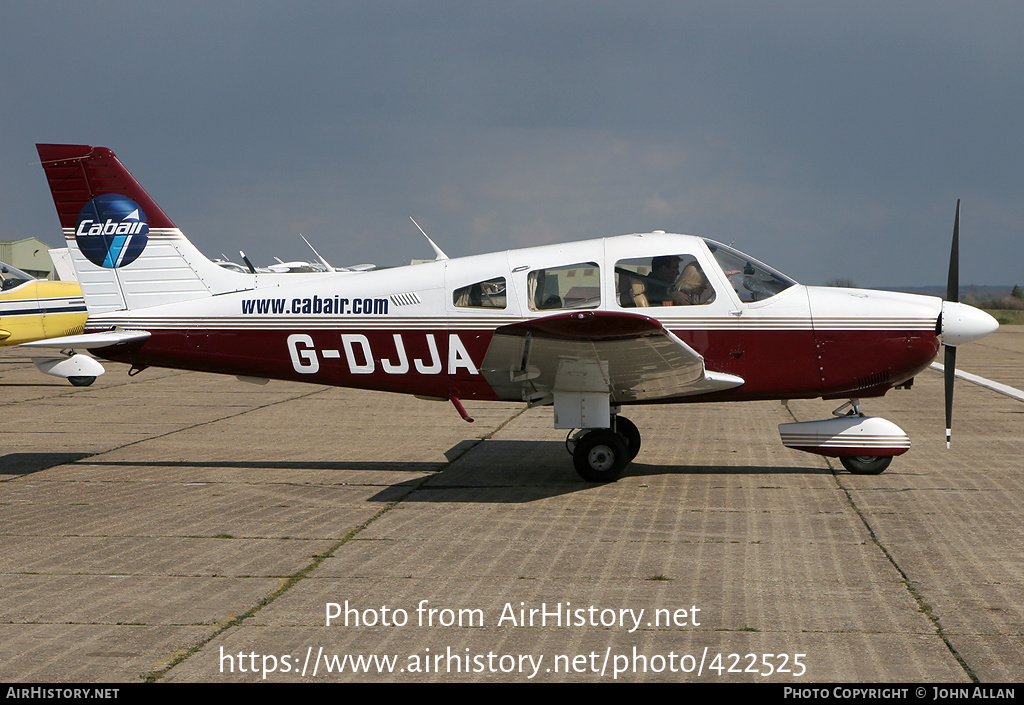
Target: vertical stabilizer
(126,252)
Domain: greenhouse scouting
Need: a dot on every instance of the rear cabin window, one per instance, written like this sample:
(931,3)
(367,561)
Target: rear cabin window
(664,280)
(571,286)
(486,294)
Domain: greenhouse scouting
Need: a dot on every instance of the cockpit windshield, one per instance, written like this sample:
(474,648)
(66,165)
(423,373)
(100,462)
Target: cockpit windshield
(752,280)
(11,277)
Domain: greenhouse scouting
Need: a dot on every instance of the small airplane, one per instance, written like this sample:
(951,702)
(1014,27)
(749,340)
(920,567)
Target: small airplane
(586,327)
(31,309)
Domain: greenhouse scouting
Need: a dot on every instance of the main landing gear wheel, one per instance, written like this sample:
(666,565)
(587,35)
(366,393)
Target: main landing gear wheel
(601,456)
(81,381)
(866,464)
(624,428)
(630,433)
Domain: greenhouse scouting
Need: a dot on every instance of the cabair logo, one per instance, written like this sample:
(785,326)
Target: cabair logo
(112,231)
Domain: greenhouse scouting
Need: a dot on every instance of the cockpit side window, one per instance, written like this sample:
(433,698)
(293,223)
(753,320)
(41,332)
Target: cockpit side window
(11,277)
(664,280)
(752,280)
(486,294)
(571,286)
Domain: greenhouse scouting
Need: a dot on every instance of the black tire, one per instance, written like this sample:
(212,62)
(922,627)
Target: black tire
(866,464)
(572,438)
(601,456)
(81,381)
(628,430)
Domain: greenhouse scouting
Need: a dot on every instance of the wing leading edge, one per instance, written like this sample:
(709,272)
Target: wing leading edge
(626,356)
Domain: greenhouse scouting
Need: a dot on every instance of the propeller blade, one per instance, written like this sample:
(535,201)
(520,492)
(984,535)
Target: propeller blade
(953,281)
(949,373)
(952,294)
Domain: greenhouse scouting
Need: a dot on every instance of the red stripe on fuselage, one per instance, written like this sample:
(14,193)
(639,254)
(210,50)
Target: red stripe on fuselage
(775,364)
(433,364)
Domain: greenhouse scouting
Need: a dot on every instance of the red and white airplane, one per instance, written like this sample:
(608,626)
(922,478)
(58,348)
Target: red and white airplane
(587,327)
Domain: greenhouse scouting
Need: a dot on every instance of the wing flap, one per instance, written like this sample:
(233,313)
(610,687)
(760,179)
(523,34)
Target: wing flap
(627,356)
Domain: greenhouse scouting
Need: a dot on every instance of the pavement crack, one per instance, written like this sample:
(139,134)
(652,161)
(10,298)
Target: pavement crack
(288,583)
(922,606)
(908,584)
(58,459)
(292,580)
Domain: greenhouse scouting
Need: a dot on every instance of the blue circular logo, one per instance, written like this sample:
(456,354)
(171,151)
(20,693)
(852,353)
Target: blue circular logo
(112,231)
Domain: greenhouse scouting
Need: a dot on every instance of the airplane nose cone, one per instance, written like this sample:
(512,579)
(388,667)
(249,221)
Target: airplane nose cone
(963,324)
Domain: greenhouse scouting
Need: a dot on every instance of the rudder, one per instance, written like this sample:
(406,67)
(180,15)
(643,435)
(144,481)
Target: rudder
(126,252)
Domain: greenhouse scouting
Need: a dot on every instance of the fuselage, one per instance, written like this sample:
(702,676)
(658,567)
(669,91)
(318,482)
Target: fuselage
(34,309)
(425,329)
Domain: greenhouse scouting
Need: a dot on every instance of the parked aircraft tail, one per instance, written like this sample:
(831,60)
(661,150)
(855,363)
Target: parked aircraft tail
(126,252)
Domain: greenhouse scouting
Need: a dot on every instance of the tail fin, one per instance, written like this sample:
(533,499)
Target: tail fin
(126,252)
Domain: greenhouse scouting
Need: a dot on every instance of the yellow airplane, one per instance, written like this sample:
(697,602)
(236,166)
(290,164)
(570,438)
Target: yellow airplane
(32,309)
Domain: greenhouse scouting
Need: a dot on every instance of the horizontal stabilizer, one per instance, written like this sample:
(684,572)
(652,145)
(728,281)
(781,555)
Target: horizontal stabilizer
(91,340)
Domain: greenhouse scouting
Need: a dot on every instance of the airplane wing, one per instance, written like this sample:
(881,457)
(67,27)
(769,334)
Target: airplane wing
(627,356)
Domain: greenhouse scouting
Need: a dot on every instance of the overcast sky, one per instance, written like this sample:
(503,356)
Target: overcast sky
(829,139)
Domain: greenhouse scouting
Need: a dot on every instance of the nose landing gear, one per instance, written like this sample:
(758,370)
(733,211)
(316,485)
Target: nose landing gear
(865,445)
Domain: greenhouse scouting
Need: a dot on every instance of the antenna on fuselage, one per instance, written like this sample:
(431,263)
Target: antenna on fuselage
(440,253)
(318,255)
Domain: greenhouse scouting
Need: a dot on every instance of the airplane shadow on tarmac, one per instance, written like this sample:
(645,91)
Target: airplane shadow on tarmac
(476,471)
(523,471)
(28,463)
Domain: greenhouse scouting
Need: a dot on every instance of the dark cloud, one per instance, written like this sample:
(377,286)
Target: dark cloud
(831,140)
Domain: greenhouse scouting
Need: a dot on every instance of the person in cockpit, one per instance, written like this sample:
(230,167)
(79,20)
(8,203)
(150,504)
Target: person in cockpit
(660,285)
(667,287)
(693,287)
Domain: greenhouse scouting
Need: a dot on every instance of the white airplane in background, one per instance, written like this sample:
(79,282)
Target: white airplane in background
(586,327)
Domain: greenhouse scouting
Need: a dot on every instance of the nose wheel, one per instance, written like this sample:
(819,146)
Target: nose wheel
(866,464)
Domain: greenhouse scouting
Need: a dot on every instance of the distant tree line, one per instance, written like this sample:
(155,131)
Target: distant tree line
(841,281)
(1013,302)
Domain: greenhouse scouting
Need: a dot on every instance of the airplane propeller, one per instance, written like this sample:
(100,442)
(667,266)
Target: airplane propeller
(958,323)
(952,294)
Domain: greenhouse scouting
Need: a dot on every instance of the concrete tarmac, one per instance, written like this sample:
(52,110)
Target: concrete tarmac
(185,527)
